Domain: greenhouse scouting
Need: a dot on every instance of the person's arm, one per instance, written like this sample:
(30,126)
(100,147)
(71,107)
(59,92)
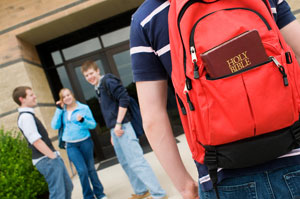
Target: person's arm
(121,114)
(120,93)
(44,149)
(29,128)
(118,127)
(56,120)
(291,34)
(152,97)
(87,120)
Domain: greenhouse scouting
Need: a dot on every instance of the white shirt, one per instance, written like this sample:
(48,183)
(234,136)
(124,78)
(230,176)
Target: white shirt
(27,124)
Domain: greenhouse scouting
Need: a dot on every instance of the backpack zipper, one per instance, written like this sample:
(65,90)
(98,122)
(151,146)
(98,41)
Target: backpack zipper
(240,71)
(271,59)
(191,106)
(188,82)
(281,70)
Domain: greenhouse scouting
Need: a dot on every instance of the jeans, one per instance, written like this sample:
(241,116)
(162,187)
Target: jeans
(280,183)
(59,182)
(130,156)
(81,154)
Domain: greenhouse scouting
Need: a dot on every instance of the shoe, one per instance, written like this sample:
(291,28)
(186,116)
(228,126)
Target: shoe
(135,196)
(104,197)
(165,197)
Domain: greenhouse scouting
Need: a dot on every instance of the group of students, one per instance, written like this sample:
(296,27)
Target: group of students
(151,63)
(77,119)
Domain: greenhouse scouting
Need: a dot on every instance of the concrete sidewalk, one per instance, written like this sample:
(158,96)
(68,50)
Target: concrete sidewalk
(117,186)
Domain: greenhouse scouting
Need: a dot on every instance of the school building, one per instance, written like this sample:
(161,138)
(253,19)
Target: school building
(43,44)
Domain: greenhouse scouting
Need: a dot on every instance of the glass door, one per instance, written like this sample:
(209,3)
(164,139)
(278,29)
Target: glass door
(119,58)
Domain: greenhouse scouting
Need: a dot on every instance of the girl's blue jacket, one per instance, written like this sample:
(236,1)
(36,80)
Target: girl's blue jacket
(73,129)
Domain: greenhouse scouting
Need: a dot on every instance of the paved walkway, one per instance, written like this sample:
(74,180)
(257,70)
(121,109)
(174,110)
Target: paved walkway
(117,186)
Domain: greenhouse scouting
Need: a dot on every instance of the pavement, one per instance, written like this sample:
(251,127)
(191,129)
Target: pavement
(117,186)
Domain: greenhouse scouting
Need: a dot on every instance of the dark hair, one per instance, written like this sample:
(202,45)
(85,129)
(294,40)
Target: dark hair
(87,65)
(20,92)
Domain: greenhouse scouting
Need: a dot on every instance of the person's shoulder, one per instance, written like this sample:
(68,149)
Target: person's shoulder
(147,8)
(273,3)
(276,2)
(25,113)
(25,116)
(111,78)
(82,106)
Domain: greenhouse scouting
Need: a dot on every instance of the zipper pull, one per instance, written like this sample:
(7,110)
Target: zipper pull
(188,83)
(196,71)
(181,105)
(191,106)
(194,60)
(281,70)
(288,58)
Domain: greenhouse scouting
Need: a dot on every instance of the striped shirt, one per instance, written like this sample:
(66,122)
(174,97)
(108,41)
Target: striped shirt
(151,60)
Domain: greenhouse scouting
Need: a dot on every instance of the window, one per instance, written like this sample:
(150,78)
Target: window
(115,37)
(81,48)
(56,56)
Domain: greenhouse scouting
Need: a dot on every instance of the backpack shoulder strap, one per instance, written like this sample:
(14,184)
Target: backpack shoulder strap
(266,2)
(20,113)
(62,118)
(26,112)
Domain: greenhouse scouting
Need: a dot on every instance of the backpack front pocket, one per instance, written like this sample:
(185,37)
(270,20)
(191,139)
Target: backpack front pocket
(250,103)
(229,116)
(270,97)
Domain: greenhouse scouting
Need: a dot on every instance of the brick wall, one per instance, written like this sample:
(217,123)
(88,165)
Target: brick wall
(19,61)
(14,12)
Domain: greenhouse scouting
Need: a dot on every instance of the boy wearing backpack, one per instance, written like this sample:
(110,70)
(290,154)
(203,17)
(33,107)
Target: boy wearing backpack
(151,61)
(114,100)
(44,157)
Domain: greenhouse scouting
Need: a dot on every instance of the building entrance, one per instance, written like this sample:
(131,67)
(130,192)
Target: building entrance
(118,60)
(106,43)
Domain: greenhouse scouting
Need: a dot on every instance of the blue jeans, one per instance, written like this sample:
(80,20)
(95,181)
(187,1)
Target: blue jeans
(130,156)
(81,154)
(59,182)
(280,183)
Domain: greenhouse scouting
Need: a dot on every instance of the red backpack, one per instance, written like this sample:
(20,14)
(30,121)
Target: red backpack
(248,117)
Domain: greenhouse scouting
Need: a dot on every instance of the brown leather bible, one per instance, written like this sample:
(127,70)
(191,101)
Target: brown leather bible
(244,50)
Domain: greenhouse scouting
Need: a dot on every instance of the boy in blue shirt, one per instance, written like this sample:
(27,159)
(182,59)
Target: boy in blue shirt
(124,140)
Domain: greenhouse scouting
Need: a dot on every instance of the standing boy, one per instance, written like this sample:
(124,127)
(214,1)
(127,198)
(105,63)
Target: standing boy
(126,145)
(44,157)
(151,63)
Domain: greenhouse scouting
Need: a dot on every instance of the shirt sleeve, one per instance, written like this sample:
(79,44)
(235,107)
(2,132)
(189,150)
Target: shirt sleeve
(146,65)
(56,120)
(89,120)
(29,128)
(118,91)
(284,14)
